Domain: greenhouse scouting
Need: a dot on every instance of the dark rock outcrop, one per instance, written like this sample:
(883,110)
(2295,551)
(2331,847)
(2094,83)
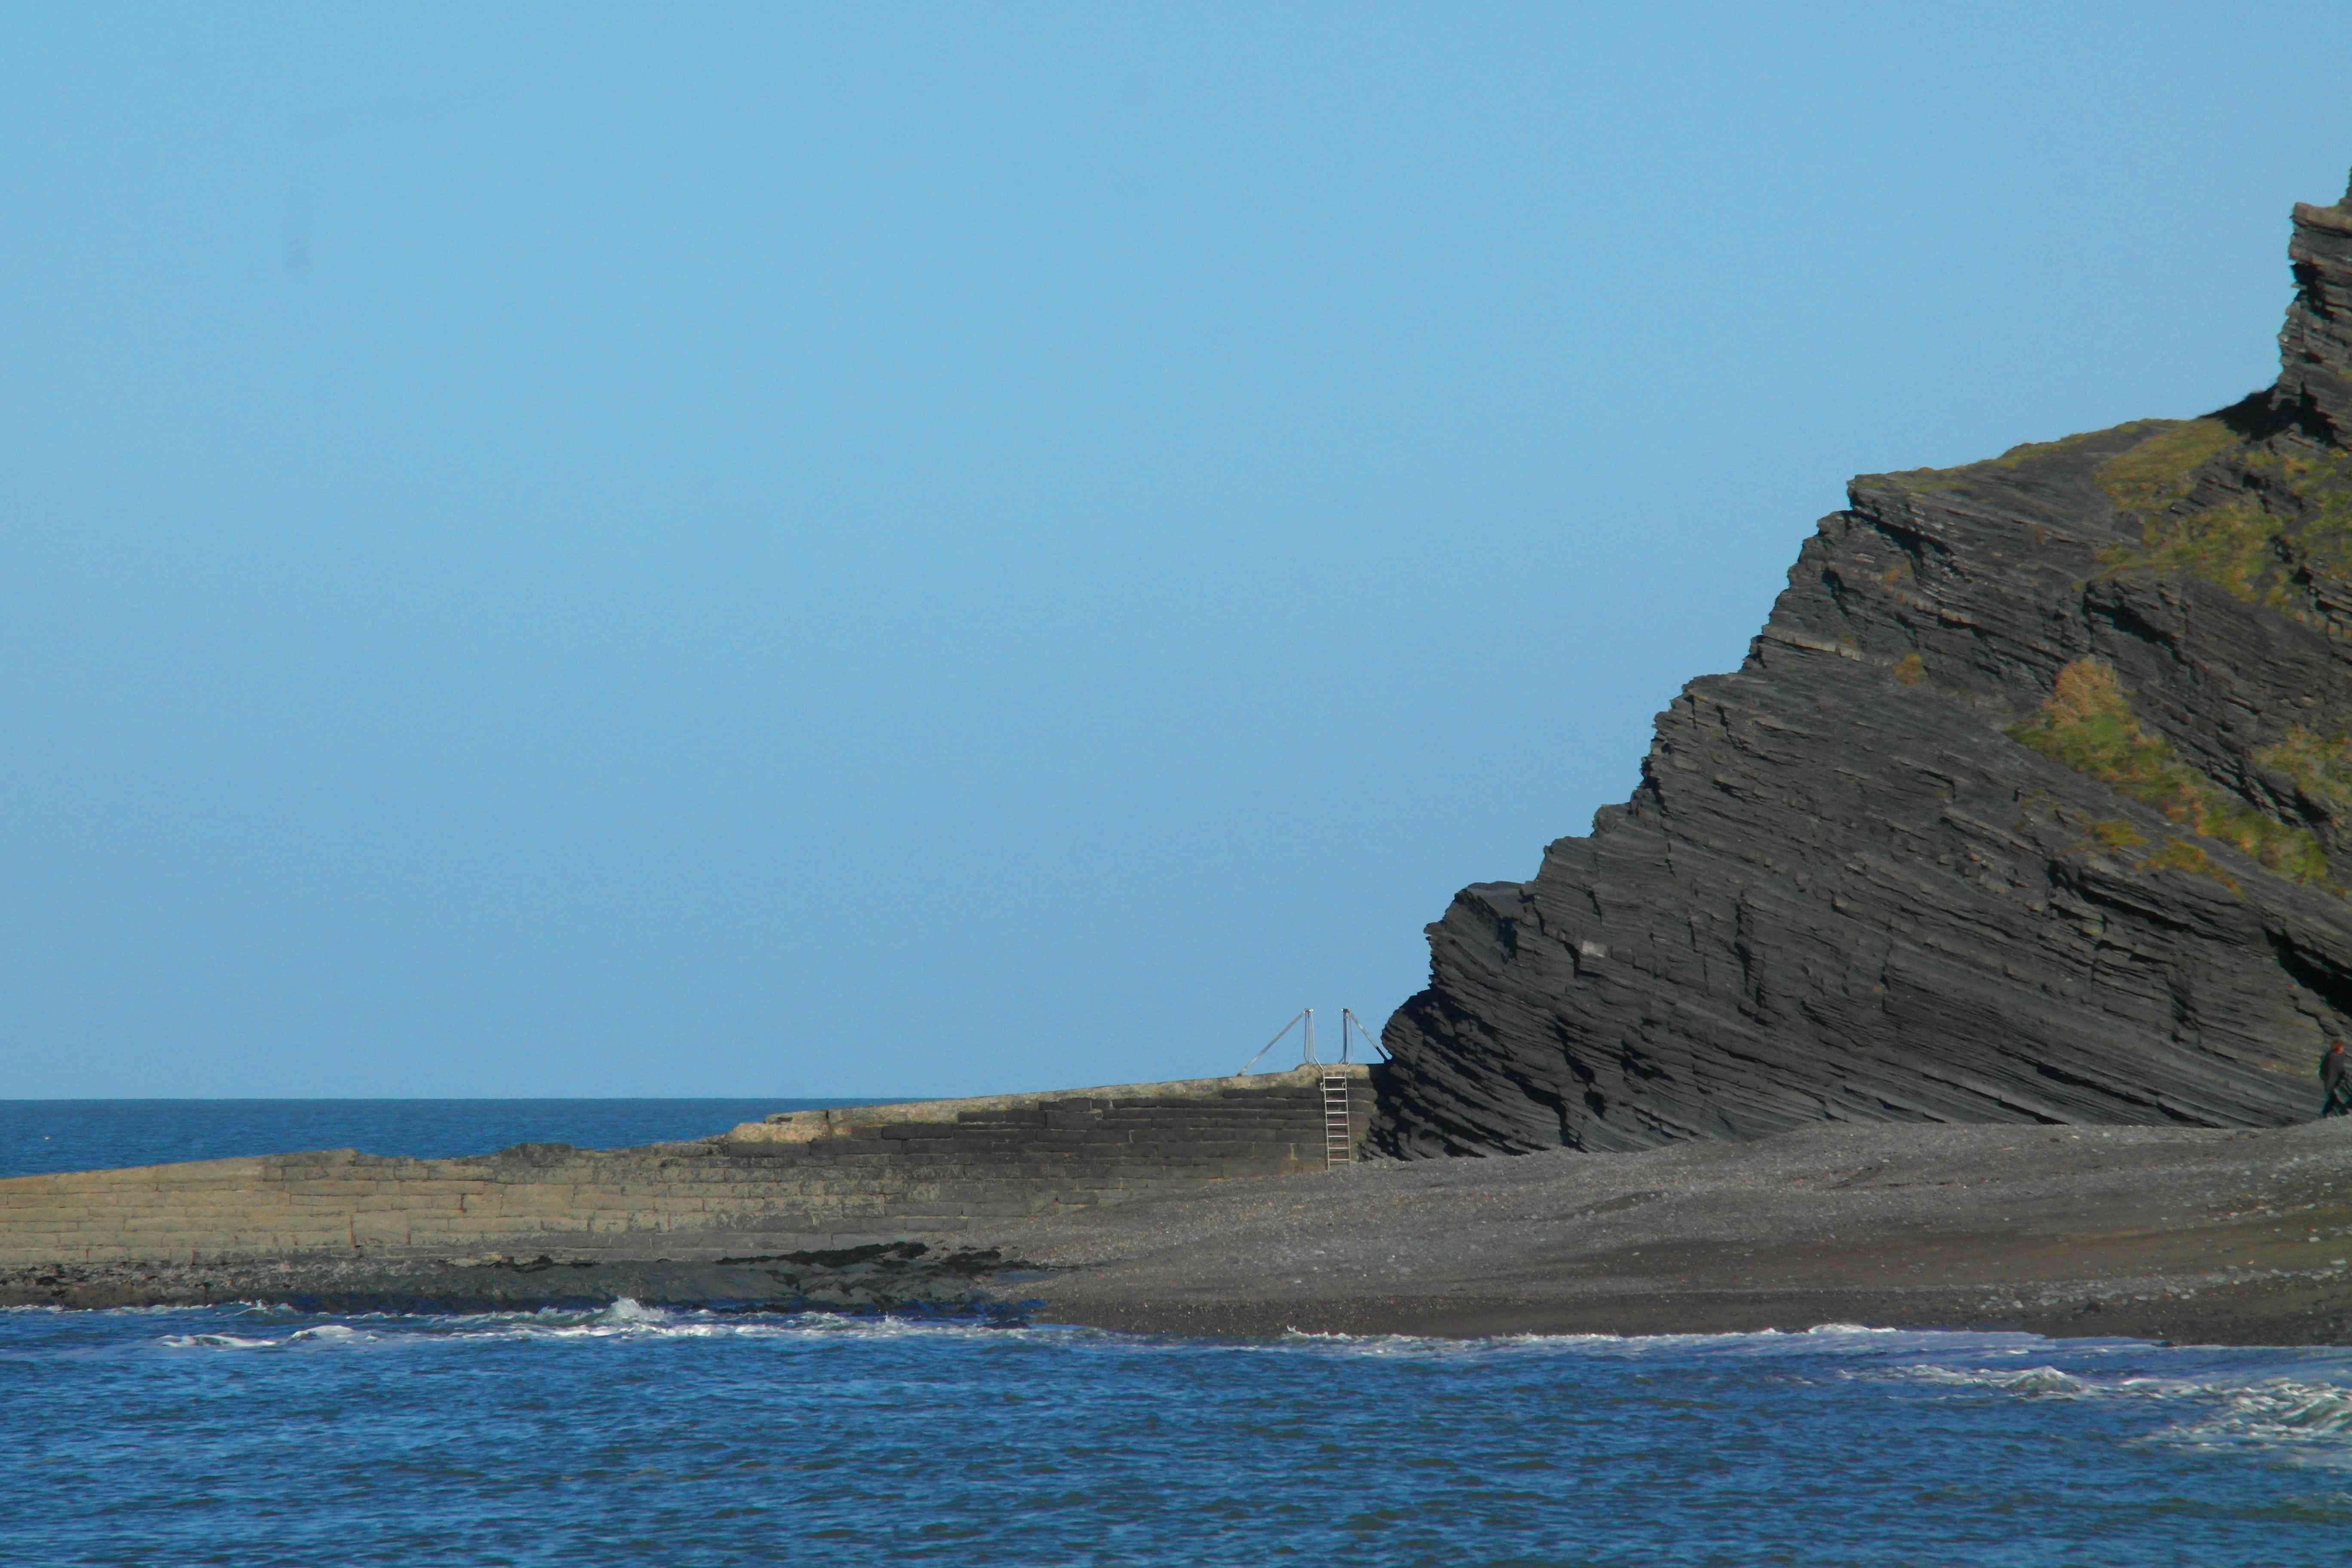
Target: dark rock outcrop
(2032,802)
(2316,345)
(906,1277)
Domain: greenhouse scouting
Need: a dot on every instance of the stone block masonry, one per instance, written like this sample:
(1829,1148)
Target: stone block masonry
(825,1178)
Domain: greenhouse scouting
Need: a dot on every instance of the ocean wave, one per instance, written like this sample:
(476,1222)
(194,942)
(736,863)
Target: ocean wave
(333,1334)
(2309,1419)
(316,1334)
(2032,1380)
(625,1320)
(218,1341)
(2312,1421)
(147,1311)
(1834,1339)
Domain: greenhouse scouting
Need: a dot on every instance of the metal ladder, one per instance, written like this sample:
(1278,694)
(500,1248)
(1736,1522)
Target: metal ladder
(1338,1132)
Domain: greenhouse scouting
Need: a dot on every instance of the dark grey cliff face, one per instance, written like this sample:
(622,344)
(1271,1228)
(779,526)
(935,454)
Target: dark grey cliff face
(2316,345)
(2032,802)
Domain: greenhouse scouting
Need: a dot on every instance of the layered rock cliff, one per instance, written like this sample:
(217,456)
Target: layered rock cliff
(2032,802)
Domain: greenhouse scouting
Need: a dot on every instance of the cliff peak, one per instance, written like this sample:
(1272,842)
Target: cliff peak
(2316,345)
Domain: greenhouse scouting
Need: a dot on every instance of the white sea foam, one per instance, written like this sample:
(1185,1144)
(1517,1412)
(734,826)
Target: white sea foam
(217,1341)
(2312,1422)
(2307,1420)
(333,1334)
(1313,1341)
(628,1310)
(630,1321)
(2032,1380)
(1827,1340)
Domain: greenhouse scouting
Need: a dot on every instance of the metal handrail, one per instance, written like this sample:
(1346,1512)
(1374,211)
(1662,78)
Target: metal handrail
(1347,1020)
(1302,1013)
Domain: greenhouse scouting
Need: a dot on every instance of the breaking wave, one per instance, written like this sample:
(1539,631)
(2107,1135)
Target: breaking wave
(624,1319)
(2311,1421)
(2036,1380)
(2298,1417)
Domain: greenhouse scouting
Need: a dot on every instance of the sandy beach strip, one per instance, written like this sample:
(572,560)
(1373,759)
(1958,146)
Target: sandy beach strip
(2179,1234)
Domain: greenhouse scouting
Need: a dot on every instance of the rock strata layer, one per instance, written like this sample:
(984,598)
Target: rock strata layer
(2026,805)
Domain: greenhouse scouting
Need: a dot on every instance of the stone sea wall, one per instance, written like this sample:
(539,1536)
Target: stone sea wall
(805,1179)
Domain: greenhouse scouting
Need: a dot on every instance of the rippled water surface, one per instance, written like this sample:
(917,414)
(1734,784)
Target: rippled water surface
(40,1135)
(259,1436)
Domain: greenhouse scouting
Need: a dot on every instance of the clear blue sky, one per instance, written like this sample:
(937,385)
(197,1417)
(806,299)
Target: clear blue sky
(865,549)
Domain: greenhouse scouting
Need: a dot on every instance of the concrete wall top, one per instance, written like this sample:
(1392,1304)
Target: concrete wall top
(806,1126)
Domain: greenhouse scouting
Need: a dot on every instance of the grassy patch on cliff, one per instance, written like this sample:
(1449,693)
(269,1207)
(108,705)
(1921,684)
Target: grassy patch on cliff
(2026,451)
(2179,854)
(2283,540)
(2266,547)
(2230,544)
(2115,833)
(2319,487)
(1946,479)
(2321,768)
(2162,469)
(2088,725)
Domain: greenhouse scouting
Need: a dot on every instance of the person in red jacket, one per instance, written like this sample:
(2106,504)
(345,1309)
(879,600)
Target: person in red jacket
(2335,1081)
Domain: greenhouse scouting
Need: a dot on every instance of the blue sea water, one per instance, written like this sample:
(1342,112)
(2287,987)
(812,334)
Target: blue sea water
(37,1135)
(258,1436)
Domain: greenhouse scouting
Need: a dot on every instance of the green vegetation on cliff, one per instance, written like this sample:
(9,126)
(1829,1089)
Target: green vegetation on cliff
(2281,542)
(2317,487)
(2026,451)
(2163,469)
(2321,769)
(2088,725)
